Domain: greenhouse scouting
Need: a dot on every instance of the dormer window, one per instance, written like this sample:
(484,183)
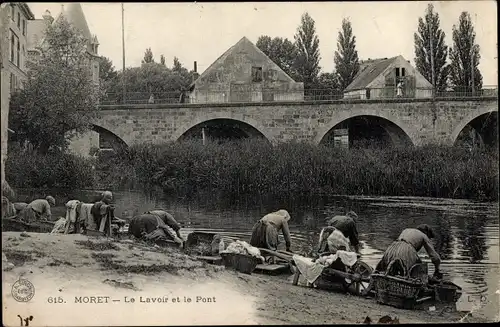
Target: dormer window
(256,74)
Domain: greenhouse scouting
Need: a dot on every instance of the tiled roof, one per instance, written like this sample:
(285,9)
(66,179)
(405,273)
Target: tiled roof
(246,46)
(74,15)
(368,72)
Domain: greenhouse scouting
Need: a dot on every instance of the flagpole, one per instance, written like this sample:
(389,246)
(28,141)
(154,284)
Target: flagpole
(123,52)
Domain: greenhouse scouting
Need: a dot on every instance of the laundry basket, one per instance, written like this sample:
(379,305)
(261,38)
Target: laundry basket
(240,262)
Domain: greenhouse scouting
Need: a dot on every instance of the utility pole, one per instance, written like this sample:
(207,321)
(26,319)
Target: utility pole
(123,53)
(431,41)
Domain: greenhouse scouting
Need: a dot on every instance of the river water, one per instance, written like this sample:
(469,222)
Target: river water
(467,232)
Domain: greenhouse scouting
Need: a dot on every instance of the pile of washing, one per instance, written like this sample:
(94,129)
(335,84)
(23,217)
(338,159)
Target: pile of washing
(242,247)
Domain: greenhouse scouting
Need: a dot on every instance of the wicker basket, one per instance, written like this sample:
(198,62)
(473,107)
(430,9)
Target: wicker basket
(397,291)
(240,262)
(447,292)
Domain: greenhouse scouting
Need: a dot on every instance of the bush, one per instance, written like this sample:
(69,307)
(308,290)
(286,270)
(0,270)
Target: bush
(30,169)
(252,167)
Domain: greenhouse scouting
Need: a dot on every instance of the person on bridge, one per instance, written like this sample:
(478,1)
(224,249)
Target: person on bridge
(347,225)
(265,232)
(151,227)
(406,248)
(37,210)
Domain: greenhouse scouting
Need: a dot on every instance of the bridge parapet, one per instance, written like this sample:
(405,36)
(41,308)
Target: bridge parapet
(421,120)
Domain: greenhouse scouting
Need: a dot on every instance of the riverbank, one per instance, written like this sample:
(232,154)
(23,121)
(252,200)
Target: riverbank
(255,168)
(70,266)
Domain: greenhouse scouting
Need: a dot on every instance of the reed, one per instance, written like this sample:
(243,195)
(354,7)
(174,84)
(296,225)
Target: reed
(253,167)
(30,169)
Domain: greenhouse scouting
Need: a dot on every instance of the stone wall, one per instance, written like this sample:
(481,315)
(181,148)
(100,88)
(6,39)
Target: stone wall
(422,120)
(5,85)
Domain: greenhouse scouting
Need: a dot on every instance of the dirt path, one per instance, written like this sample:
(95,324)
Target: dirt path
(73,267)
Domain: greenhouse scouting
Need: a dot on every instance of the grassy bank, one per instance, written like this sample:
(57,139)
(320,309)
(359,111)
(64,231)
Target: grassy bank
(54,170)
(293,169)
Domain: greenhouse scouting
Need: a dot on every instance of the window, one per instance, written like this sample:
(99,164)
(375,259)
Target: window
(256,74)
(12,45)
(402,72)
(19,20)
(397,72)
(24,27)
(18,54)
(12,13)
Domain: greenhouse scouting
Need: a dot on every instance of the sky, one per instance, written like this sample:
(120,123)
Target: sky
(203,31)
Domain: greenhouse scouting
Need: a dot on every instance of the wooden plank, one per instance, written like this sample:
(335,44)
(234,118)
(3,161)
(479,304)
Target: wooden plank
(276,254)
(208,258)
(268,267)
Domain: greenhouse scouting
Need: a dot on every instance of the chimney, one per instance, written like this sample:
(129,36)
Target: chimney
(195,72)
(48,17)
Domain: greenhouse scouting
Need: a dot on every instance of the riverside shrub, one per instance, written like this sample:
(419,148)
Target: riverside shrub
(252,167)
(31,169)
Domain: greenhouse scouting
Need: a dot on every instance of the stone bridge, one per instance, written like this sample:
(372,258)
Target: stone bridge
(414,121)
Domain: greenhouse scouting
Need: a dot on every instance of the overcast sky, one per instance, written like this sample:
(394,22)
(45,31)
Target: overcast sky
(203,31)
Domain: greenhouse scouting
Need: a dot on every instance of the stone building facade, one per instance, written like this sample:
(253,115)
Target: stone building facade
(73,13)
(379,78)
(14,19)
(244,74)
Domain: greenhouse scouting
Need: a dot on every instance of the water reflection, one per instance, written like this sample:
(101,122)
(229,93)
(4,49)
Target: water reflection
(471,235)
(444,237)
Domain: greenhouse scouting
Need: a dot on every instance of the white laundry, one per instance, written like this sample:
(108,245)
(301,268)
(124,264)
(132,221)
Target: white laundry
(309,269)
(243,247)
(70,215)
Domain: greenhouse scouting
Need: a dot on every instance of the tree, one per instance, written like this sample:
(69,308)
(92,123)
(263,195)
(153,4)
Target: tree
(107,73)
(177,65)
(346,58)
(307,44)
(148,56)
(327,87)
(281,51)
(59,99)
(165,83)
(162,60)
(429,31)
(465,57)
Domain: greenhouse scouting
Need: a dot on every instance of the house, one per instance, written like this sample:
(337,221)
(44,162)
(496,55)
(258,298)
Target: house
(20,15)
(244,74)
(379,78)
(74,15)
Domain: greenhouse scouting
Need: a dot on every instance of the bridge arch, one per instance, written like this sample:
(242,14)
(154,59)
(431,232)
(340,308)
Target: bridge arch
(97,137)
(247,125)
(485,116)
(398,132)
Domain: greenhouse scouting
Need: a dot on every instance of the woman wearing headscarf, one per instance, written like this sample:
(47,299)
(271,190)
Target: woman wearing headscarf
(265,232)
(406,248)
(331,240)
(347,225)
(37,210)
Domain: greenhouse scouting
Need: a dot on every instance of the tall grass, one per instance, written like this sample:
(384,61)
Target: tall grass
(251,167)
(28,169)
